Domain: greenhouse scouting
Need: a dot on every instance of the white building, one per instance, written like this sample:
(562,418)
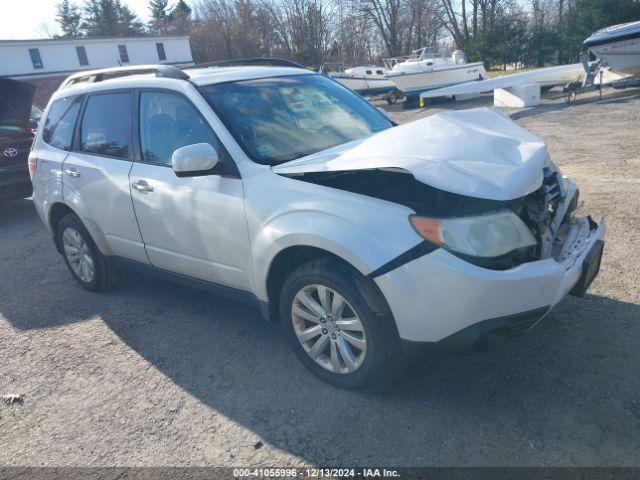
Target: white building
(46,63)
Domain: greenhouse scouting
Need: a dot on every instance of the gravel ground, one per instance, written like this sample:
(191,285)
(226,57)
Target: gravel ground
(154,374)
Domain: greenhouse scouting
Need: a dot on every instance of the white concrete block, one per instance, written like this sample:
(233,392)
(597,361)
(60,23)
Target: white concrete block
(517,97)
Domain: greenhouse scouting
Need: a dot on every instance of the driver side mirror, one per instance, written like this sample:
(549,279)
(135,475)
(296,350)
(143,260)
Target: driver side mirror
(194,160)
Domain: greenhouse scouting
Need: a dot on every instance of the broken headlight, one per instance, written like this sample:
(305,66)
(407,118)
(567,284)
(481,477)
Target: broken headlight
(488,235)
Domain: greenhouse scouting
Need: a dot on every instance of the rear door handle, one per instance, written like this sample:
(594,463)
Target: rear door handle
(71,172)
(142,186)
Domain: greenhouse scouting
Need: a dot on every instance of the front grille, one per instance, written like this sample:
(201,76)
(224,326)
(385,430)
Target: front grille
(540,209)
(552,185)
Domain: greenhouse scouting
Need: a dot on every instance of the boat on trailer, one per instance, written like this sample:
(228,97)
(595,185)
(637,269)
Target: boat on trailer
(428,68)
(365,80)
(617,47)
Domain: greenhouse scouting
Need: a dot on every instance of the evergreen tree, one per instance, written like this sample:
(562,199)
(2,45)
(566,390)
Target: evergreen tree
(109,18)
(180,18)
(68,17)
(128,23)
(159,22)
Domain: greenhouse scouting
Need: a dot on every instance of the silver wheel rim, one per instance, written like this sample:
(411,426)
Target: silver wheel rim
(329,329)
(78,254)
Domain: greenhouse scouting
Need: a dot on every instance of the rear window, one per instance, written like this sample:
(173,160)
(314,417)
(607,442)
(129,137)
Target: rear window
(60,123)
(105,125)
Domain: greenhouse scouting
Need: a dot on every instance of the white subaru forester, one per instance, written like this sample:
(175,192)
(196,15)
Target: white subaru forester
(279,186)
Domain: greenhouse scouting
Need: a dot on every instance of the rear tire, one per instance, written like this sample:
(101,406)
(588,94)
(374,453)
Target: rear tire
(366,351)
(83,258)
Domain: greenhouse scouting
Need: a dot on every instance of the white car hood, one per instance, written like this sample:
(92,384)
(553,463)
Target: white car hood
(479,152)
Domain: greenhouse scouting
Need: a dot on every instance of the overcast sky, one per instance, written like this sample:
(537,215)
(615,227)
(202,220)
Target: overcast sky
(36,18)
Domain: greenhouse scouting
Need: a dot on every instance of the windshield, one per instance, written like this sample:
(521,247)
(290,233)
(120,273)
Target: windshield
(283,118)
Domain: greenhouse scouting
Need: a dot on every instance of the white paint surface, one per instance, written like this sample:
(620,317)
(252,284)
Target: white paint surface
(517,97)
(477,152)
(59,57)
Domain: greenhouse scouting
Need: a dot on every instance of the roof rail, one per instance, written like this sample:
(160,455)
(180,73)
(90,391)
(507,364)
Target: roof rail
(248,62)
(93,76)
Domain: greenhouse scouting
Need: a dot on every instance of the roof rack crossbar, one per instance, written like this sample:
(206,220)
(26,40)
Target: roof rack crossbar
(94,76)
(249,62)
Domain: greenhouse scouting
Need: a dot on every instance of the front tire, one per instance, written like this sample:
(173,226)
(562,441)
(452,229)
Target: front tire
(83,258)
(339,325)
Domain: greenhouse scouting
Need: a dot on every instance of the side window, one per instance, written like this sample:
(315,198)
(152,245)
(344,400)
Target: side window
(105,125)
(168,122)
(60,123)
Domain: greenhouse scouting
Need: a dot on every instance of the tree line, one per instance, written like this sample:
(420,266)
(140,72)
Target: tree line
(519,33)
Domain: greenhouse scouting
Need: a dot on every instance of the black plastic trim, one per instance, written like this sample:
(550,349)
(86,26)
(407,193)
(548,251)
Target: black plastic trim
(590,266)
(217,289)
(484,334)
(420,250)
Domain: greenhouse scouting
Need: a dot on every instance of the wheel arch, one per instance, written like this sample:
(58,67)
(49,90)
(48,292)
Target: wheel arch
(284,263)
(58,211)
(308,233)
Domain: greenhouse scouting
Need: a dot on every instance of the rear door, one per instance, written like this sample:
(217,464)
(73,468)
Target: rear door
(55,142)
(96,173)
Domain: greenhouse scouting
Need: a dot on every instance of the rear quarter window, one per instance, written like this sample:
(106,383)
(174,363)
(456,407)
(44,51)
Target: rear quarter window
(60,122)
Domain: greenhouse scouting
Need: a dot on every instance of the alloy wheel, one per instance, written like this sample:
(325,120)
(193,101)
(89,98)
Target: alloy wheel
(329,329)
(78,254)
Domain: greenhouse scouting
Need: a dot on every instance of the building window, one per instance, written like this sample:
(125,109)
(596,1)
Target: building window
(35,58)
(124,56)
(161,53)
(82,56)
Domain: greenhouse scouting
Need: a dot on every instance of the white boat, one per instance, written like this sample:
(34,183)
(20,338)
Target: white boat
(365,80)
(618,47)
(427,68)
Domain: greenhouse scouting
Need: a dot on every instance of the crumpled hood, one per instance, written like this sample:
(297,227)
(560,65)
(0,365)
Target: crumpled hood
(479,152)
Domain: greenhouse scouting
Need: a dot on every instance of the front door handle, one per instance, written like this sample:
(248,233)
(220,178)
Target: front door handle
(142,186)
(71,172)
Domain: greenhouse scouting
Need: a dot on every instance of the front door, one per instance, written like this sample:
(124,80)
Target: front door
(195,226)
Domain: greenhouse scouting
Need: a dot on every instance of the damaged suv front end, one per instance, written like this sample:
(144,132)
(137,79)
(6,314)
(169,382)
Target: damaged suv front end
(498,243)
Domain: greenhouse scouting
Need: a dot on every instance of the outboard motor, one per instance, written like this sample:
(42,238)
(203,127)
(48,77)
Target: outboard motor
(459,57)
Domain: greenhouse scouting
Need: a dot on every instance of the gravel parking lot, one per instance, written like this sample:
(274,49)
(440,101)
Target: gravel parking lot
(152,373)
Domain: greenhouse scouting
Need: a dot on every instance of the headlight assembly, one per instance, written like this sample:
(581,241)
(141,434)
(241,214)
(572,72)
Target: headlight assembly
(488,235)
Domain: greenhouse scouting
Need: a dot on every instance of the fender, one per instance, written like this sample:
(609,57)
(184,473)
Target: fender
(363,248)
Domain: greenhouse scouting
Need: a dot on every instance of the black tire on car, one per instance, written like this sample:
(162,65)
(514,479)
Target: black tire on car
(361,301)
(72,235)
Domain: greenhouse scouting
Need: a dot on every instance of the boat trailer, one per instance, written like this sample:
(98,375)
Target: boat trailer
(595,71)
